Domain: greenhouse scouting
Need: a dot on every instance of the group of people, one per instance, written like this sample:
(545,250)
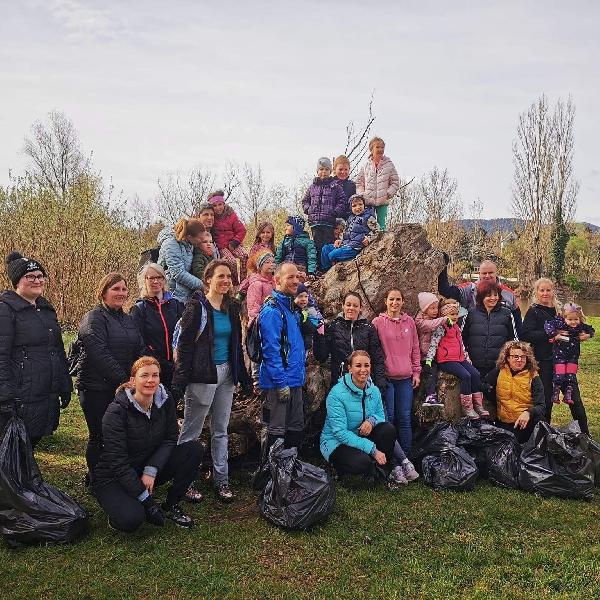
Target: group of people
(181,344)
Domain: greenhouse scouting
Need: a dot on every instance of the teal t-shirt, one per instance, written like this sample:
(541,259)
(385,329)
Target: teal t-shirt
(222,340)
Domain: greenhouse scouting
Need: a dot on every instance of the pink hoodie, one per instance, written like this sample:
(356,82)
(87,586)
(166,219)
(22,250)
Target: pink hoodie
(259,287)
(400,345)
(425,328)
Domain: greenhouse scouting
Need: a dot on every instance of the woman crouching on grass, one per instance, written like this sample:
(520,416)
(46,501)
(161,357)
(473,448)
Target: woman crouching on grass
(140,452)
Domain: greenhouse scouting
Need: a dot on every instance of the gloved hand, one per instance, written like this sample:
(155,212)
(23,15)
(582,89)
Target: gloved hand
(154,513)
(65,399)
(283,394)
(446,258)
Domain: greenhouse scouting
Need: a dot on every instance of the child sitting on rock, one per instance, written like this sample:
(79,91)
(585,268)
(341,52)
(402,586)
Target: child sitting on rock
(565,331)
(311,320)
(296,247)
(448,350)
(360,230)
(265,239)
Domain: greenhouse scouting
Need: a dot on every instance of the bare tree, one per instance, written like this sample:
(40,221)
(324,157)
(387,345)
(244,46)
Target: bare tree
(357,140)
(406,206)
(56,160)
(252,199)
(543,178)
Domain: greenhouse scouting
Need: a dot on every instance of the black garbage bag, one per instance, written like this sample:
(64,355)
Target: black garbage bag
(441,436)
(31,511)
(590,447)
(554,464)
(298,494)
(451,469)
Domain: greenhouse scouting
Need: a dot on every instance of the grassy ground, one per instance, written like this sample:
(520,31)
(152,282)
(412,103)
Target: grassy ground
(417,543)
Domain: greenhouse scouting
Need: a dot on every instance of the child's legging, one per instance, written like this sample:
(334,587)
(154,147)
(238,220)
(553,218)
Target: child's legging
(565,374)
(230,257)
(470,381)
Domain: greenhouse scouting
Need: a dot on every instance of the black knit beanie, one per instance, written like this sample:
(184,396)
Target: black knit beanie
(18,265)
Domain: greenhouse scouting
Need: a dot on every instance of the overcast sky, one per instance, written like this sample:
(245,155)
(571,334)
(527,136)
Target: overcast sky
(154,87)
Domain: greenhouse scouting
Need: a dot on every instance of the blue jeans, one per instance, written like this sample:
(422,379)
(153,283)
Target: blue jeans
(330,253)
(470,382)
(398,407)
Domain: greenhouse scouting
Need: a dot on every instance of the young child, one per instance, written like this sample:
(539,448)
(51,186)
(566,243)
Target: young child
(564,331)
(449,351)
(311,320)
(427,321)
(378,180)
(361,228)
(296,246)
(340,227)
(229,234)
(341,172)
(202,255)
(264,240)
(323,202)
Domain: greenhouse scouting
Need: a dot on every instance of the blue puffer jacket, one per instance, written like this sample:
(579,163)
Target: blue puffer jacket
(358,227)
(325,201)
(272,373)
(298,249)
(347,408)
(176,258)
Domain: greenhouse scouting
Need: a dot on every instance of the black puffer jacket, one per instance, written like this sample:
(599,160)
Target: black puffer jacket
(195,362)
(156,322)
(485,333)
(341,338)
(111,344)
(131,440)
(533,330)
(33,366)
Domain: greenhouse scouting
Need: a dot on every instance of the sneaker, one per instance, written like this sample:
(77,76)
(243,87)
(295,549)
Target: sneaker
(175,514)
(193,495)
(409,470)
(397,475)
(224,494)
(432,400)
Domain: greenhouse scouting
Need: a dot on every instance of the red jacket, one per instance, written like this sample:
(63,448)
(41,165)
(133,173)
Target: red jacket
(228,227)
(450,347)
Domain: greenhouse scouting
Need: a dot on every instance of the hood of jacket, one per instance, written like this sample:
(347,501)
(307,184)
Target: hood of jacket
(260,278)
(346,379)
(125,396)
(18,303)
(323,182)
(165,233)
(395,321)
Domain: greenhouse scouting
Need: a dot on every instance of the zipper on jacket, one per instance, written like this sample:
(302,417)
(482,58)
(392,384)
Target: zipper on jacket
(162,318)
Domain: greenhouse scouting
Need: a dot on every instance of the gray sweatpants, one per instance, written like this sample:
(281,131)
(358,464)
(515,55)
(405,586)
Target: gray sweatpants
(285,416)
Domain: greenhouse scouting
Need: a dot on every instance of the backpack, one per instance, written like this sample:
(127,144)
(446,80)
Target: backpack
(149,255)
(254,341)
(74,356)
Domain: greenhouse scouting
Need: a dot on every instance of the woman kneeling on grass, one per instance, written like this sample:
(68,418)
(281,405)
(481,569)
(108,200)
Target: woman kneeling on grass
(140,451)
(356,437)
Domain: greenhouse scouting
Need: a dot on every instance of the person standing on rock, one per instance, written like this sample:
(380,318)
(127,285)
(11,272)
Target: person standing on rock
(466,293)
(378,180)
(341,172)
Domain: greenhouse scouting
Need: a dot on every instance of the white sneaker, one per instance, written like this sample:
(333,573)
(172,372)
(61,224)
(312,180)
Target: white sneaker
(397,475)
(410,473)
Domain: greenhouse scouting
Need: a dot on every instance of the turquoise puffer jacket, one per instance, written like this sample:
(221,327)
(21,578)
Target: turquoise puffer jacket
(347,407)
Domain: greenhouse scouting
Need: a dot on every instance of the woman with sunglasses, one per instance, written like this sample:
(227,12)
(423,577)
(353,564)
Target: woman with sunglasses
(34,376)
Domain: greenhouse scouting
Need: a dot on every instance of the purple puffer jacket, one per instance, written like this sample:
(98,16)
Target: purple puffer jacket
(324,201)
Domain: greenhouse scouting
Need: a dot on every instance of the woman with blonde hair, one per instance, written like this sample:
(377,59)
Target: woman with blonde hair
(517,390)
(156,313)
(378,180)
(177,253)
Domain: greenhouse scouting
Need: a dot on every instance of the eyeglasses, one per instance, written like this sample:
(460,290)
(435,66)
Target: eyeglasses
(156,279)
(34,278)
(517,356)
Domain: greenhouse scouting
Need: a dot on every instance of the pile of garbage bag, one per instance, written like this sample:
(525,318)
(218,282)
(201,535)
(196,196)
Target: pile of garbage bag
(32,511)
(561,462)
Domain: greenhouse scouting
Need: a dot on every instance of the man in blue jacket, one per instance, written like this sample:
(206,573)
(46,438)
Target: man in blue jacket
(282,370)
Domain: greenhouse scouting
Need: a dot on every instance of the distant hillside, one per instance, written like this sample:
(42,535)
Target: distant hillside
(505,225)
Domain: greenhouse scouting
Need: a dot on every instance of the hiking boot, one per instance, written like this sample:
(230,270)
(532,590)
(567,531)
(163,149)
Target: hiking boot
(478,405)
(432,400)
(397,475)
(555,395)
(193,495)
(568,395)
(175,514)
(224,494)
(466,402)
(409,470)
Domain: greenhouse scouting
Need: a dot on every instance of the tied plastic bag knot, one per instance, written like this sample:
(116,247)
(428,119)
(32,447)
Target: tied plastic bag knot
(298,495)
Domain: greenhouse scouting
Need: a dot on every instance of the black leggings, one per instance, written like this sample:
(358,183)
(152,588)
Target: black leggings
(321,235)
(127,513)
(352,461)
(94,405)
(577,408)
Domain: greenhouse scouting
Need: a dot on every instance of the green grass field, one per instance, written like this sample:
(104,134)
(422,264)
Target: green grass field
(417,543)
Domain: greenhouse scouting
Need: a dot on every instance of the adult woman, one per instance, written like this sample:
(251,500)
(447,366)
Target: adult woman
(517,390)
(156,314)
(356,437)
(34,376)
(110,343)
(346,333)
(140,452)
(487,327)
(543,308)
(176,254)
(400,342)
(209,364)
(378,180)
